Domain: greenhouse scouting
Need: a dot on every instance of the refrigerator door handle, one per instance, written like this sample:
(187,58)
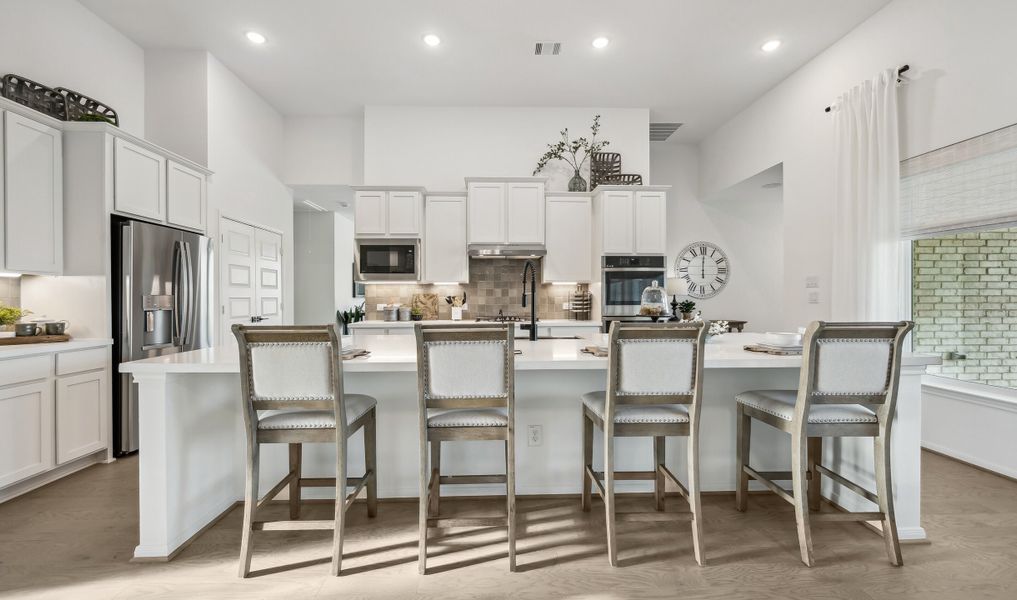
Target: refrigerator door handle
(188,317)
(178,268)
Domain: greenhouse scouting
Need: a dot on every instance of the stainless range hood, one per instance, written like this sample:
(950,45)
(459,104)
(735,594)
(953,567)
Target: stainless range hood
(517,251)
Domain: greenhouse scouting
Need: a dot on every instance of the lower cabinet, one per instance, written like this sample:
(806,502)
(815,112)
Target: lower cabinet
(26,431)
(81,423)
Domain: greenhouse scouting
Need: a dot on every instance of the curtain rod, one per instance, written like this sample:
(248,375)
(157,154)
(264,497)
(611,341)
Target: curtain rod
(903,69)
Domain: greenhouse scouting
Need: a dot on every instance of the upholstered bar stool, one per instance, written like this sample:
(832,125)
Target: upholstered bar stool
(654,389)
(848,388)
(466,390)
(292,383)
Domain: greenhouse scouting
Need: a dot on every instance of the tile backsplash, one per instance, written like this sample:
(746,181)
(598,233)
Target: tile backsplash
(10,291)
(494,285)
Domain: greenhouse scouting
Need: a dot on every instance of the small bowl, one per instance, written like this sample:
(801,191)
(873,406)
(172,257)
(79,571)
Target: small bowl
(782,338)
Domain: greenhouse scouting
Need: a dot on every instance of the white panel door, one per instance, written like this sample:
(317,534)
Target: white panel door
(486,210)
(619,228)
(651,222)
(26,431)
(526,213)
(139,181)
(569,244)
(445,258)
(185,196)
(33,193)
(404,214)
(238,278)
(81,402)
(370,213)
(268,266)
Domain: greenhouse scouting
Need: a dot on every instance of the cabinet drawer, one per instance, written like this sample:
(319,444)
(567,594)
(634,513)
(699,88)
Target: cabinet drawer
(77,361)
(17,370)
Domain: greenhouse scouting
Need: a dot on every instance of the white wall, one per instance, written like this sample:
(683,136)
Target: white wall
(960,88)
(60,43)
(176,101)
(746,223)
(314,273)
(344,248)
(323,150)
(437,147)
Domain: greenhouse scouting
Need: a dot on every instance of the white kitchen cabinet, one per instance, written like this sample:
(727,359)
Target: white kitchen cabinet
(569,221)
(525,213)
(619,226)
(369,214)
(32,177)
(26,431)
(81,421)
(388,213)
(139,180)
(404,214)
(651,223)
(486,201)
(186,196)
(445,258)
(631,219)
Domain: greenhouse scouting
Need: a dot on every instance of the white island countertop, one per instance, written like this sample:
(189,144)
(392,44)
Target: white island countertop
(376,324)
(397,353)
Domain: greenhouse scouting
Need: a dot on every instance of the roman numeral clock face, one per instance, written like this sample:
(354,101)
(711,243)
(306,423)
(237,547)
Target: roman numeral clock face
(703,268)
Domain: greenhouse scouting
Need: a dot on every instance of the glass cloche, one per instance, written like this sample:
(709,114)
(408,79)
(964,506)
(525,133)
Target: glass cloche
(653,302)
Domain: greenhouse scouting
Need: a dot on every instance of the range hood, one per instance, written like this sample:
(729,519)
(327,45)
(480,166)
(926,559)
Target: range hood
(517,251)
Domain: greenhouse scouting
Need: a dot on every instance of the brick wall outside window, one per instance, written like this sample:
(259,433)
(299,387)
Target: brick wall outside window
(965,301)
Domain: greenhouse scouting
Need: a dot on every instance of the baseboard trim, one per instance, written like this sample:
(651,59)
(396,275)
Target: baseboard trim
(37,481)
(161,559)
(970,461)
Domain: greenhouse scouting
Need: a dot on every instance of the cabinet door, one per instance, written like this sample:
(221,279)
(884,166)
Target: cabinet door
(139,181)
(617,212)
(269,284)
(569,245)
(370,214)
(26,431)
(81,424)
(404,214)
(526,213)
(651,222)
(185,197)
(33,192)
(486,210)
(445,256)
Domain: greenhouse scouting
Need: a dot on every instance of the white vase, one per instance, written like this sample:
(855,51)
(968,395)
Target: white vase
(457,313)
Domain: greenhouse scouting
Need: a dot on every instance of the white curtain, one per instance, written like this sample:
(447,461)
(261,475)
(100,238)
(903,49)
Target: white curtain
(866,259)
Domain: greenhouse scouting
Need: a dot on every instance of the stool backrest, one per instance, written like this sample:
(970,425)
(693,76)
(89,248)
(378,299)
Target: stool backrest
(465,366)
(655,363)
(290,367)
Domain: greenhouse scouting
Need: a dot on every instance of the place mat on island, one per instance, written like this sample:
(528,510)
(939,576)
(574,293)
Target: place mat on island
(775,350)
(355,353)
(597,351)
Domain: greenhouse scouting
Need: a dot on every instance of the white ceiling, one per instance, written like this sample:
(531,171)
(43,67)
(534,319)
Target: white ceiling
(691,61)
(334,198)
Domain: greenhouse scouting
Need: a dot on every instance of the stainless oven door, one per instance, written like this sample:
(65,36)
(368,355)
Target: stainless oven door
(388,260)
(623,289)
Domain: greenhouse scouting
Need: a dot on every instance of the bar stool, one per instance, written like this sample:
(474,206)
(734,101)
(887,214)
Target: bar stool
(848,388)
(295,375)
(654,389)
(466,391)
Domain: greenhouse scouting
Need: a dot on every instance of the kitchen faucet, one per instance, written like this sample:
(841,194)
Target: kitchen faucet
(531,268)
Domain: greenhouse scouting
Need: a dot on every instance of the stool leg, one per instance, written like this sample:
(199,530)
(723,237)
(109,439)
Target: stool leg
(744,437)
(884,490)
(371,462)
(609,505)
(658,476)
(695,501)
(510,477)
(250,506)
(434,494)
(587,460)
(295,467)
(815,479)
(340,507)
(424,476)
(799,464)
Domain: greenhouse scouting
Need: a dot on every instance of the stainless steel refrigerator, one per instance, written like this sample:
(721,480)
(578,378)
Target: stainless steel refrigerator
(162,304)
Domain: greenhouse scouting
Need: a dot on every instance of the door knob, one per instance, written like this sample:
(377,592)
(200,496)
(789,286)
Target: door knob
(257,319)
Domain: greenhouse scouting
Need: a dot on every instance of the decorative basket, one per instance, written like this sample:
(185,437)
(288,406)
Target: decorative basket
(624,179)
(82,108)
(603,165)
(34,95)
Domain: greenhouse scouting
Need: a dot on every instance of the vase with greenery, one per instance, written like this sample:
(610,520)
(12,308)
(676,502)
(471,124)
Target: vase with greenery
(685,307)
(354,314)
(574,152)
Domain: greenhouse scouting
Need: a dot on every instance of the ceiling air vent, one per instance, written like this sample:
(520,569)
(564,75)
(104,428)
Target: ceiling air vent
(547,49)
(659,132)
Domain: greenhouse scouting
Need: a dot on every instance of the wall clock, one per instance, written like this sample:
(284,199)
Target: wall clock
(703,268)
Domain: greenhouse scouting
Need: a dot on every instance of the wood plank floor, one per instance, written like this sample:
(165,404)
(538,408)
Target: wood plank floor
(74,539)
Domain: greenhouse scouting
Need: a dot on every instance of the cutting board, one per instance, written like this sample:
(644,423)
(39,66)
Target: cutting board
(427,304)
(34,339)
(773,351)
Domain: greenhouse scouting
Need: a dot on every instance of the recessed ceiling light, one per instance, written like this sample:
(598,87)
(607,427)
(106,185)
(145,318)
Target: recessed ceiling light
(255,38)
(770,46)
(601,42)
(432,40)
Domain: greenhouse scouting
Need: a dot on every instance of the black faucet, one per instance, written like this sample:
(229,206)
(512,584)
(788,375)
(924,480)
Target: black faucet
(531,268)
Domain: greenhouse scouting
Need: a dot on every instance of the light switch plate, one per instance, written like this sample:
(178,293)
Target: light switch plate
(812,281)
(534,435)
(813,297)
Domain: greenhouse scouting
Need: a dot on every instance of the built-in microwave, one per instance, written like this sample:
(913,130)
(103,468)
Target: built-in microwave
(388,260)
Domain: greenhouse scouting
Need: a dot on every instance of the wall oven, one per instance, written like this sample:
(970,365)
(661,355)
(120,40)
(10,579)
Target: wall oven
(624,279)
(388,260)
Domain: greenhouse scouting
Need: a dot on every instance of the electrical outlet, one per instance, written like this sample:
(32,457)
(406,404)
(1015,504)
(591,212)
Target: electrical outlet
(812,281)
(813,297)
(566,306)
(381,307)
(534,435)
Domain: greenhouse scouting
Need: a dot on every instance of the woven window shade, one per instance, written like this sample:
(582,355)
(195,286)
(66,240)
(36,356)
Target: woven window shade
(967,185)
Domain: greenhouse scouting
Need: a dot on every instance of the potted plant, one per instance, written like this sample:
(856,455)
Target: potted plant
(9,315)
(416,314)
(686,307)
(574,152)
(350,315)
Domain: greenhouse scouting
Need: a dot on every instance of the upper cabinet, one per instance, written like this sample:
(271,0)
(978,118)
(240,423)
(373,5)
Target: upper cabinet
(186,196)
(445,259)
(32,177)
(632,219)
(139,180)
(506,211)
(395,212)
(569,256)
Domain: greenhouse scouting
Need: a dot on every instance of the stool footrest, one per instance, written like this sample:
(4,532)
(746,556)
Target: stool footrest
(450,522)
(292,525)
(461,479)
(847,516)
(776,489)
(653,517)
(844,481)
(663,470)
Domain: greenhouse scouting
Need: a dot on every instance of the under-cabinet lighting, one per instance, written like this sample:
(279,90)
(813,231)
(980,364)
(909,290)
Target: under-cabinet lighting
(317,207)
(564,283)
(770,46)
(255,38)
(9,274)
(445,283)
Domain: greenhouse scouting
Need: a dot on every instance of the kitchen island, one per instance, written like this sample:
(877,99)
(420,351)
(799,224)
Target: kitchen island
(192,440)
